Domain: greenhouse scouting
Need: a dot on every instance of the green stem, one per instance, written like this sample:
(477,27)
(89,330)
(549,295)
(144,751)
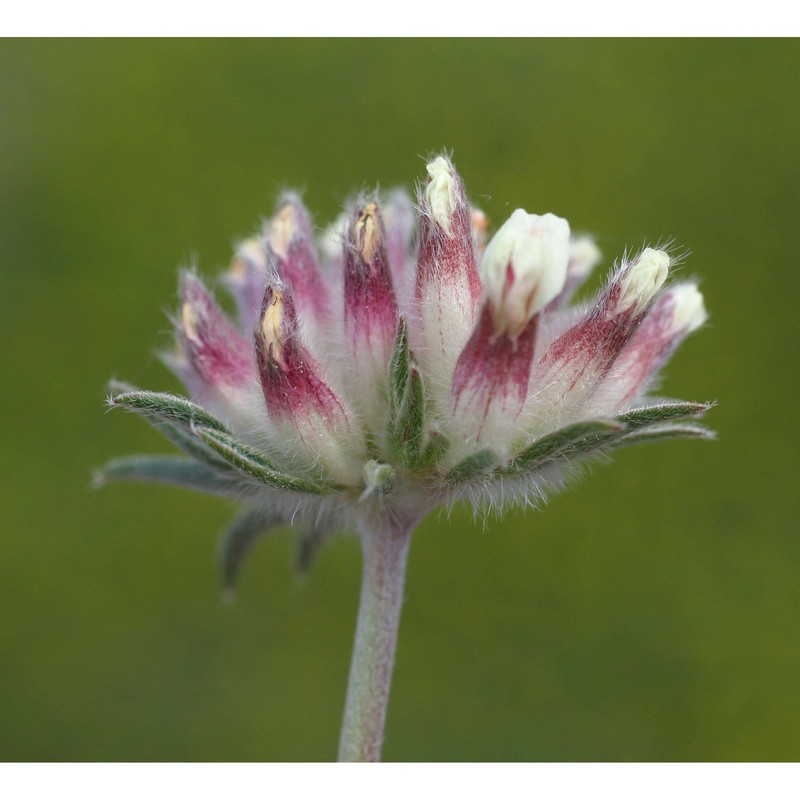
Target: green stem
(385,550)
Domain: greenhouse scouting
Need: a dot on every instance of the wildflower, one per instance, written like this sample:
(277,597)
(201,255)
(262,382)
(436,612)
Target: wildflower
(367,383)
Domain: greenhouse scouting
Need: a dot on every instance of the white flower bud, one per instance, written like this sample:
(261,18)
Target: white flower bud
(249,256)
(643,279)
(690,311)
(584,256)
(440,193)
(524,267)
(283,228)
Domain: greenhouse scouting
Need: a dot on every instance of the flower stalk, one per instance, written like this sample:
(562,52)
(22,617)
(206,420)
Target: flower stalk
(385,545)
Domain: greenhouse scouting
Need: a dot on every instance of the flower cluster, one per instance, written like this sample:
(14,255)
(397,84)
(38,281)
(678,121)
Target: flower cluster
(400,361)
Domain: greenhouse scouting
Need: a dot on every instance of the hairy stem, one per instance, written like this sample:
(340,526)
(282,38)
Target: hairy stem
(385,550)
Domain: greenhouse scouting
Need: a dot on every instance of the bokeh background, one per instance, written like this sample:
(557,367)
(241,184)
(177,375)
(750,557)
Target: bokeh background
(650,613)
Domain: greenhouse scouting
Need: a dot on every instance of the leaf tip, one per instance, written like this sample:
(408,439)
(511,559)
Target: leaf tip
(99,479)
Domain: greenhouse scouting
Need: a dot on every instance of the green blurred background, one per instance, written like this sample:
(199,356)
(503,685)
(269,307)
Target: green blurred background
(650,613)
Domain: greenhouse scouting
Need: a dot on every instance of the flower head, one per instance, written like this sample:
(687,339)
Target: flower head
(365,375)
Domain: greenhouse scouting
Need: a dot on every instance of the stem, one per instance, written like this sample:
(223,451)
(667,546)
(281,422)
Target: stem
(385,549)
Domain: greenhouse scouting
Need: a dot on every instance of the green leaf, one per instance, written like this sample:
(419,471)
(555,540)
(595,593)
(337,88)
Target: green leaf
(473,466)
(255,464)
(238,539)
(194,446)
(310,542)
(406,401)
(662,412)
(168,407)
(177,419)
(655,433)
(435,449)
(572,440)
(399,362)
(171,470)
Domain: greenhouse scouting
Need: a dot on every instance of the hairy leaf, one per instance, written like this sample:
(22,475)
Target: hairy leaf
(662,412)
(171,470)
(572,440)
(406,401)
(193,445)
(473,466)
(654,433)
(168,407)
(256,464)
(435,448)
(309,543)
(238,539)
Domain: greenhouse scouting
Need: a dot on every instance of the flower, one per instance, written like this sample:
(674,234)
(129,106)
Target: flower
(377,373)
(374,375)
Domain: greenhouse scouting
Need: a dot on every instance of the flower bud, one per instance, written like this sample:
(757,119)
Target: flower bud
(690,310)
(446,256)
(287,369)
(246,278)
(442,193)
(369,305)
(584,256)
(295,393)
(575,364)
(524,268)
(216,351)
(678,312)
(291,248)
(399,222)
(448,288)
(370,308)
(641,280)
